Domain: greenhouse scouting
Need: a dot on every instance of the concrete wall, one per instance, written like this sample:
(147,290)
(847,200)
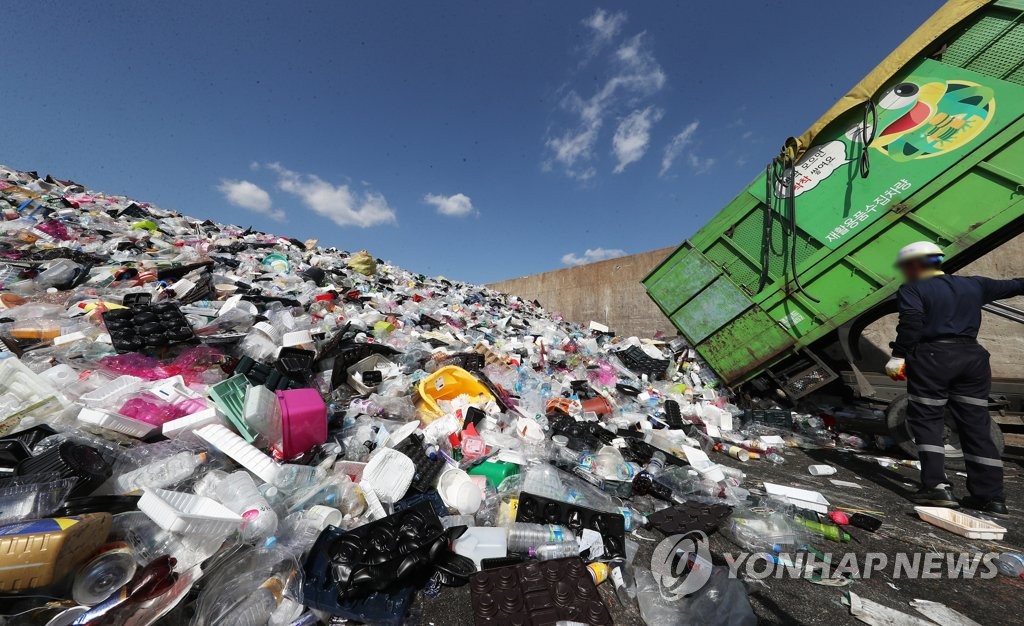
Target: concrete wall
(610,292)
(607,291)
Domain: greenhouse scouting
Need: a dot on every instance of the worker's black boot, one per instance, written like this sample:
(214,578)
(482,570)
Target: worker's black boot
(940,495)
(994,507)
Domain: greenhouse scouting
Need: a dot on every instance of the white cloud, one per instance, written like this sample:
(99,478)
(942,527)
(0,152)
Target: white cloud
(605,25)
(699,165)
(338,203)
(633,136)
(592,255)
(457,205)
(675,147)
(250,196)
(634,74)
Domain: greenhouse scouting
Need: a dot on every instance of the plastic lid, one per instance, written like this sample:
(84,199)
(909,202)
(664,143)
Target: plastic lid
(102,576)
(467,497)
(402,432)
(325,515)
(267,329)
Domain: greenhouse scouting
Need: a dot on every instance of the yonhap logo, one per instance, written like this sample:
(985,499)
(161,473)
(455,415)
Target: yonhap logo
(681,564)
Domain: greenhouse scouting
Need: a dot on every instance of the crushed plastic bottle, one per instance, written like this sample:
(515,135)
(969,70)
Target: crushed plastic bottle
(160,473)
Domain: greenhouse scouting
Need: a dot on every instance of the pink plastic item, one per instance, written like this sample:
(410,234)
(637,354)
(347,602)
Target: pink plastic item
(303,422)
(473,447)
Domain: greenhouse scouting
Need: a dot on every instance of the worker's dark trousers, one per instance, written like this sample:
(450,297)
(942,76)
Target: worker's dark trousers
(957,375)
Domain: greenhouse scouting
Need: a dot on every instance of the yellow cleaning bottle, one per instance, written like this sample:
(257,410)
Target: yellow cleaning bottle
(38,552)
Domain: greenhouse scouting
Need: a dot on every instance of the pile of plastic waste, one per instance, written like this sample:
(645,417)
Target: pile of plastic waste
(202,423)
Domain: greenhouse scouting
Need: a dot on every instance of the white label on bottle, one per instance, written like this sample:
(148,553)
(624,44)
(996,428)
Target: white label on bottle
(617,577)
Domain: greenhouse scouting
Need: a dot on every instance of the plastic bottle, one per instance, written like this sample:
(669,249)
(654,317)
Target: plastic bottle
(238,492)
(656,464)
(522,537)
(828,531)
(633,518)
(38,552)
(299,531)
(257,608)
(647,482)
(609,465)
(548,551)
(1010,564)
(625,584)
(161,473)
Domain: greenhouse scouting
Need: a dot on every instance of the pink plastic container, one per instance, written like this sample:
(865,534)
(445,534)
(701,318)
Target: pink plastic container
(303,422)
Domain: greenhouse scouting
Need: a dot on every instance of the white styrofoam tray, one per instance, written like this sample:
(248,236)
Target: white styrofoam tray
(116,422)
(803,498)
(181,512)
(960,523)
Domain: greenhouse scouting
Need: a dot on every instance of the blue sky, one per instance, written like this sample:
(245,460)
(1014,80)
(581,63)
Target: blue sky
(477,140)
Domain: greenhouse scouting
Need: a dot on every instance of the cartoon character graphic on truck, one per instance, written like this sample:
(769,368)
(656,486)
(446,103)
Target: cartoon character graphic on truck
(925,118)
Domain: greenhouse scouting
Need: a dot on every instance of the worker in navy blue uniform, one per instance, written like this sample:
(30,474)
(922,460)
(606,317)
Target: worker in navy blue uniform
(937,352)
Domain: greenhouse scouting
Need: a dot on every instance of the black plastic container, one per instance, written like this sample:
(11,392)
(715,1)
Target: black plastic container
(70,460)
(536,509)
(537,593)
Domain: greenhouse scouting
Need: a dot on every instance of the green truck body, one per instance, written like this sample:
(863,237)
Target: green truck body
(945,164)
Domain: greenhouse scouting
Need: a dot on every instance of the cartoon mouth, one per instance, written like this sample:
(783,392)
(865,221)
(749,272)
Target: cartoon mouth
(910,119)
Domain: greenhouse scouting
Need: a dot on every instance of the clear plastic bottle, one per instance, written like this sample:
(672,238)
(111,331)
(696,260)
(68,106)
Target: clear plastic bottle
(238,492)
(1010,564)
(523,537)
(298,532)
(549,551)
(656,464)
(624,581)
(291,477)
(257,608)
(161,473)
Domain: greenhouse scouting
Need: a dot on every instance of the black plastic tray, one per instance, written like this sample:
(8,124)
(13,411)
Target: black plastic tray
(146,328)
(537,593)
(536,509)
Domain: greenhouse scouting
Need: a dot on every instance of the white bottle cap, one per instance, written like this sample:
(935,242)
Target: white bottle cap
(324,515)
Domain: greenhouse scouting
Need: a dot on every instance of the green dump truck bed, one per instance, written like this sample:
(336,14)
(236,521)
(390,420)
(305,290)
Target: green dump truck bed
(809,245)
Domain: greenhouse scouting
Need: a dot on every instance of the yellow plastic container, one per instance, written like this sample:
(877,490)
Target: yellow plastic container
(447,383)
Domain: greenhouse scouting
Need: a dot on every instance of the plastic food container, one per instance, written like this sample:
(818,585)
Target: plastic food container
(191,422)
(370,363)
(960,523)
(229,396)
(303,421)
(187,513)
(390,473)
(20,387)
(116,422)
(30,497)
(803,498)
(107,394)
(448,383)
(262,412)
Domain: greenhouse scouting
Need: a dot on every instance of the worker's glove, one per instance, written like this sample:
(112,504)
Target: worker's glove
(896,368)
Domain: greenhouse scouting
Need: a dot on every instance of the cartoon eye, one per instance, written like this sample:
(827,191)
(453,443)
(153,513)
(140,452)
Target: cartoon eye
(899,96)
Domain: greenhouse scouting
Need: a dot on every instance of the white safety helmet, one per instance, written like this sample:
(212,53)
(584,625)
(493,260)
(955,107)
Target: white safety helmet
(919,250)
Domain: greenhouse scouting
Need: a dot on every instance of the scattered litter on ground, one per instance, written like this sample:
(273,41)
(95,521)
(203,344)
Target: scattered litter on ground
(204,423)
